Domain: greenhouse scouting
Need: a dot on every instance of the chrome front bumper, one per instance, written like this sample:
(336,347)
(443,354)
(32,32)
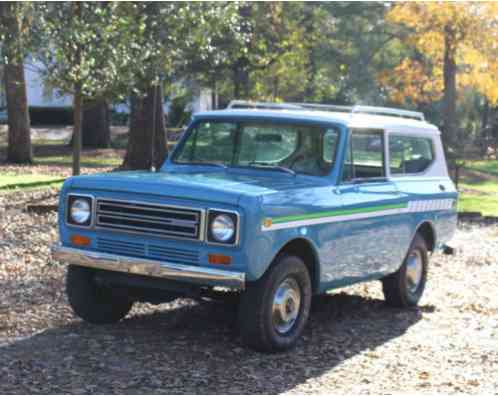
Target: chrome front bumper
(153,268)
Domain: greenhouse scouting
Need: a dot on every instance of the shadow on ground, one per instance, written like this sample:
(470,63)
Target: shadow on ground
(194,349)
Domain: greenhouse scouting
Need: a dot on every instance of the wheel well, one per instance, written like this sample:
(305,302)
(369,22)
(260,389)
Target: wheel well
(303,249)
(427,232)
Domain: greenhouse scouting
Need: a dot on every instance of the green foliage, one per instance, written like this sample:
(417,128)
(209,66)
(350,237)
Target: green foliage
(15,43)
(87,44)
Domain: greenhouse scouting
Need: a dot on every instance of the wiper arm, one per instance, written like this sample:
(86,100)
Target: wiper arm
(265,165)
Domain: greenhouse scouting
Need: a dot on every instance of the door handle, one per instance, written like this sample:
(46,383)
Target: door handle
(336,191)
(442,187)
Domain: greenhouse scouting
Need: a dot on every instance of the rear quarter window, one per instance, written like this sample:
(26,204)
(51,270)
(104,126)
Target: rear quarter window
(410,154)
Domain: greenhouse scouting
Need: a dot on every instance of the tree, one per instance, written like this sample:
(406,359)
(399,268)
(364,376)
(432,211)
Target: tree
(454,47)
(14,32)
(184,33)
(96,124)
(86,53)
(241,44)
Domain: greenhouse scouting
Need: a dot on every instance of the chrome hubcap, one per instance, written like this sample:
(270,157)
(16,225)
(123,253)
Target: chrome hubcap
(414,270)
(286,305)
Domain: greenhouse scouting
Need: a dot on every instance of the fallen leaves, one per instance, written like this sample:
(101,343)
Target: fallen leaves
(353,343)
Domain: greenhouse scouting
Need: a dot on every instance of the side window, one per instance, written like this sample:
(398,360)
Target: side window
(330,139)
(409,154)
(365,157)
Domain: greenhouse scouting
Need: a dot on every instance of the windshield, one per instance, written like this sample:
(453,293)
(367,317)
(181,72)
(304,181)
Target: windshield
(293,148)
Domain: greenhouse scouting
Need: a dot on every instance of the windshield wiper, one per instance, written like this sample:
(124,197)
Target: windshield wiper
(266,165)
(205,163)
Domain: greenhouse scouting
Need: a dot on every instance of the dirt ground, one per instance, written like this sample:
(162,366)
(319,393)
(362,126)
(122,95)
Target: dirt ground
(353,343)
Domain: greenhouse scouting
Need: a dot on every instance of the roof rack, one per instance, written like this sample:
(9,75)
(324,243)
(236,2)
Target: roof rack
(374,110)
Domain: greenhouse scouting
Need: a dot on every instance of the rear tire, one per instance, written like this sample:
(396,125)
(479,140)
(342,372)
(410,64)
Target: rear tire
(273,311)
(91,302)
(405,287)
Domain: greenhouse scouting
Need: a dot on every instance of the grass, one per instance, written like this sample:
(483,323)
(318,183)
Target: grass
(486,166)
(486,204)
(485,187)
(10,181)
(479,188)
(86,161)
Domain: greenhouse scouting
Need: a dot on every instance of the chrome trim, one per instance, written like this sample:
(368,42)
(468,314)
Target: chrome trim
(202,212)
(237,229)
(92,211)
(146,267)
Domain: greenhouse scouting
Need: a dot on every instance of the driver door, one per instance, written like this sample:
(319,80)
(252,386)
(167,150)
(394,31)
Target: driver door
(367,242)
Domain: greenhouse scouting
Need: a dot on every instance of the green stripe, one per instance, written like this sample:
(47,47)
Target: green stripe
(285,219)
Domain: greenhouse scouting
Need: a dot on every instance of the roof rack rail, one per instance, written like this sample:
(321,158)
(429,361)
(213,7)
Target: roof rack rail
(389,111)
(358,109)
(246,104)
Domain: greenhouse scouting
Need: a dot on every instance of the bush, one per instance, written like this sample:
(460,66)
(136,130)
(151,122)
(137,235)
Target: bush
(51,116)
(119,118)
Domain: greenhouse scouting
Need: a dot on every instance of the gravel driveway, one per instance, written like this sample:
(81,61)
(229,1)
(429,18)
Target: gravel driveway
(353,344)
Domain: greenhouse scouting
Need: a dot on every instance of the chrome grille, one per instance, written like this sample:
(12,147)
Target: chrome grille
(150,219)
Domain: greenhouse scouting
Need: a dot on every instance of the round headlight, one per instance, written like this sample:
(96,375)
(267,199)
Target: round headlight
(222,228)
(80,211)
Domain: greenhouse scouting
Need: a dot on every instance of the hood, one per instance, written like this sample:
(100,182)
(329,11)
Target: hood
(225,186)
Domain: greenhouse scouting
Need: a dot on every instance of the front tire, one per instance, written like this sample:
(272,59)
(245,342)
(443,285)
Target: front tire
(94,303)
(273,311)
(405,287)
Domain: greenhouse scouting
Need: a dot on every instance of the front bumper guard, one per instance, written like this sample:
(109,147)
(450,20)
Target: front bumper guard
(154,268)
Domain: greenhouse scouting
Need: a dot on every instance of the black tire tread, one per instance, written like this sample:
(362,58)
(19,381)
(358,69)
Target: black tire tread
(393,286)
(253,325)
(84,298)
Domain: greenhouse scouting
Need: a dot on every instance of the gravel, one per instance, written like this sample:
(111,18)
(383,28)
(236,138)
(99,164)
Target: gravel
(353,343)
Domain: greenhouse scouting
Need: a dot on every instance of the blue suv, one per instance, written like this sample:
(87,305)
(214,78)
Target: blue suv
(271,203)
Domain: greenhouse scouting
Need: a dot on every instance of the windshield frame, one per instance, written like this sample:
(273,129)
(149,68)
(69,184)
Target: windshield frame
(171,163)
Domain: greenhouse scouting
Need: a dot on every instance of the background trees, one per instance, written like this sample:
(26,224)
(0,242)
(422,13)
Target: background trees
(454,48)
(440,58)
(85,53)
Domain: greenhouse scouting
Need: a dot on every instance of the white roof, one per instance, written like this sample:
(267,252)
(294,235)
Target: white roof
(351,120)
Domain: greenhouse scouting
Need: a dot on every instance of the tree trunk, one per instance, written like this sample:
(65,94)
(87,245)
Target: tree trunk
(96,129)
(449,99)
(147,145)
(484,119)
(78,118)
(19,148)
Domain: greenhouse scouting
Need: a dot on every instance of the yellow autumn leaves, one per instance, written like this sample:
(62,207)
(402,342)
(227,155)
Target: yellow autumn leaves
(466,31)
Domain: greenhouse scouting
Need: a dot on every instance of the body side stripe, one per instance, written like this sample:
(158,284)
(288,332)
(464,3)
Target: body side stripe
(283,222)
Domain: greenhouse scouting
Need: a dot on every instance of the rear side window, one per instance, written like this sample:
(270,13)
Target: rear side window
(410,154)
(365,157)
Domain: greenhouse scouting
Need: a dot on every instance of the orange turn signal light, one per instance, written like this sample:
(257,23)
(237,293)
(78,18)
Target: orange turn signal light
(80,240)
(219,259)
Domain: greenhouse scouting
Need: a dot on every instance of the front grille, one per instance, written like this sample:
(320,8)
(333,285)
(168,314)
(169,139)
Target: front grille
(125,248)
(148,250)
(149,219)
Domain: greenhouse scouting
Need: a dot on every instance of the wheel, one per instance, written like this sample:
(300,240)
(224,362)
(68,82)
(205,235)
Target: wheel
(405,287)
(273,311)
(91,302)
